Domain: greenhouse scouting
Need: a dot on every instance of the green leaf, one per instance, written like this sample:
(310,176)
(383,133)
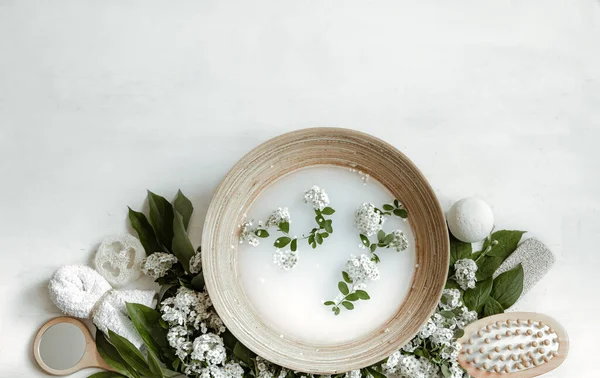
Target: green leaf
(343,288)
(164,289)
(328,226)
(336,310)
(146,321)
(402,213)
(459,250)
(282,242)
(242,353)
(319,238)
(362,295)
(106,374)
(375,373)
(329,303)
(261,233)
(154,366)
(373,247)
(198,282)
(320,220)
(507,243)
(346,277)
(388,207)
(459,333)
(447,314)
(328,211)
(145,232)
(380,235)
(112,357)
(446,371)
(476,298)
(130,353)
(182,248)
(492,307)
(508,287)
(365,240)
(388,239)
(324,235)
(284,226)
(161,218)
(184,207)
(294,245)
(348,305)
(352,297)
(396,203)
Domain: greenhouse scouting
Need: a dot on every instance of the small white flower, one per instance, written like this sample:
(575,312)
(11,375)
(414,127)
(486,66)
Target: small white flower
(465,273)
(248,234)
(450,299)
(281,215)
(361,269)
(368,220)
(427,329)
(286,260)
(317,197)
(177,338)
(353,374)
(196,263)
(209,347)
(400,242)
(158,264)
(442,336)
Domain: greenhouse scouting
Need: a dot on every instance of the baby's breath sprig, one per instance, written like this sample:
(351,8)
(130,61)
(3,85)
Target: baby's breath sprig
(395,239)
(348,295)
(317,235)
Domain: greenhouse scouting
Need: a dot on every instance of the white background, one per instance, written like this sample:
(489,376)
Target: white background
(101,100)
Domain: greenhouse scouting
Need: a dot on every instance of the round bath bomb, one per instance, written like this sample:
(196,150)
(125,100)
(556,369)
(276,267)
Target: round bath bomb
(470,220)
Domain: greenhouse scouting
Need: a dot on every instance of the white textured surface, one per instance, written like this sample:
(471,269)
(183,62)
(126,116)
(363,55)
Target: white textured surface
(470,220)
(100,100)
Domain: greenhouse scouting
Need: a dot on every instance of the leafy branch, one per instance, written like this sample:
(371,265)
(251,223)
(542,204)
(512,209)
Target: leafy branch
(395,208)
(349,295)
(317,235)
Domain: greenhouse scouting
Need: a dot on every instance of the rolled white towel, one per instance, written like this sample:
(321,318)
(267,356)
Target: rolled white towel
(82,292)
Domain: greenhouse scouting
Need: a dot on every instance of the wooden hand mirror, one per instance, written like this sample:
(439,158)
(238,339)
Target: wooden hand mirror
(64,346)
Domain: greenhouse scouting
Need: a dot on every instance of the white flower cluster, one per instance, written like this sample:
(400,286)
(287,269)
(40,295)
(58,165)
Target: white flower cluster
(278,216)
(400,242)
(361,269)
(194,329)
(196,263)
(465,273)
(286,260)
(368,220)
(353,374)
(247,234)
(317,197)
(158,264)
(269,370)
(408,366)
(438,336)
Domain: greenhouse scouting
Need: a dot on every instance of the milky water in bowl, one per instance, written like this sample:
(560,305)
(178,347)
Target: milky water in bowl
(291,302)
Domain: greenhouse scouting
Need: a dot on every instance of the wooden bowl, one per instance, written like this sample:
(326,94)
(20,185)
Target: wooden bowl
(287,153)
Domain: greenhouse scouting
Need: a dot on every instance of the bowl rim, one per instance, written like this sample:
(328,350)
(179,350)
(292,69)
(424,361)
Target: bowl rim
(220,239)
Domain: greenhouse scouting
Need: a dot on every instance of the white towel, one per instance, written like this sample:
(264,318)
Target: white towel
(82,292)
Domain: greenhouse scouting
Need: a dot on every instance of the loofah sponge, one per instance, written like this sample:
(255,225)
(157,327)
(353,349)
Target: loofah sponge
(119,259)
(535,258)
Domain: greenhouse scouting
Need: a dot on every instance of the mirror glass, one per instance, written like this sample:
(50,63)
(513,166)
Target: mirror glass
(62,346)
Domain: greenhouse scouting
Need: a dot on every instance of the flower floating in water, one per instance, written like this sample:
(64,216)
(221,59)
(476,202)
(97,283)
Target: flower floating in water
(281,215)
(368,220)
(286,260)
(317,197)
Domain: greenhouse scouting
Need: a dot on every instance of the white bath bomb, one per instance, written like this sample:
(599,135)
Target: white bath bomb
(470,220)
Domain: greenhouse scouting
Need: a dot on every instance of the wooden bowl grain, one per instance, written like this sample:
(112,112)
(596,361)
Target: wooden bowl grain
(283,155)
